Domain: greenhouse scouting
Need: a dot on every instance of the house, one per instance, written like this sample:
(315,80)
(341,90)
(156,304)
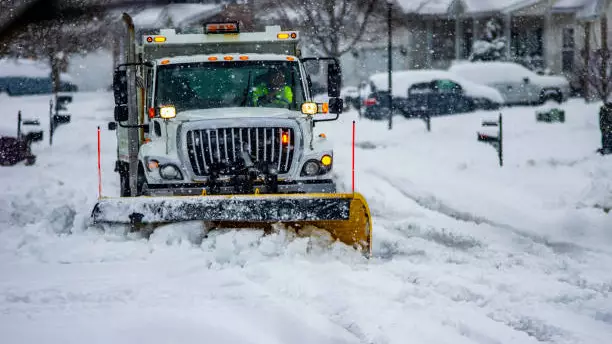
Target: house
(542,34)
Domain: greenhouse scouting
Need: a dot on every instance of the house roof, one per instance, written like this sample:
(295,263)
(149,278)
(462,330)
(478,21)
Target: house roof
(583,8)
(591,10)
(470,6)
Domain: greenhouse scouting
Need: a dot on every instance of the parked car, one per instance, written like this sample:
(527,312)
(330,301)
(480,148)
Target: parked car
(435,92)
(517,84)
(24,77)
(350,94)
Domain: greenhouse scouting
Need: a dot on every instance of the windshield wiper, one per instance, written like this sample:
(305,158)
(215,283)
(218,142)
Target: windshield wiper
(246,92)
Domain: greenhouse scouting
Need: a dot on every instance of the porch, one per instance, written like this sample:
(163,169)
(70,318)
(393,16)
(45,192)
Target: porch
(437,42)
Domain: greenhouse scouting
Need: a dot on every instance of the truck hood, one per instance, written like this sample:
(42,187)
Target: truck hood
(236,112)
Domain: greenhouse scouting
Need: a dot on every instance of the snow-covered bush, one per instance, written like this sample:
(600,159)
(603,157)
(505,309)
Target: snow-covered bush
(492,45)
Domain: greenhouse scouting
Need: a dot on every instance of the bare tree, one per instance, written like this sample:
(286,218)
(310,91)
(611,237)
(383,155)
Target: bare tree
(55,41)
(596,71)
(595,66)
(334,26)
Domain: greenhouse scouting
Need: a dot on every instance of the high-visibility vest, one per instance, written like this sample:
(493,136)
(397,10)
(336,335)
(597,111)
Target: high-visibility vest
(285,97)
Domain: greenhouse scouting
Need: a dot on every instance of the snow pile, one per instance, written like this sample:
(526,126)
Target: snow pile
(464,251)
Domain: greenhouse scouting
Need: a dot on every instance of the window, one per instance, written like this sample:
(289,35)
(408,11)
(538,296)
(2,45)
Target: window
(443,40)
(447,86)
(207,85)
(568,50)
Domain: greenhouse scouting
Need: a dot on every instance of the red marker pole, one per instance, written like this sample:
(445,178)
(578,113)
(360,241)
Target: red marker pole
(99,168)
(353,160)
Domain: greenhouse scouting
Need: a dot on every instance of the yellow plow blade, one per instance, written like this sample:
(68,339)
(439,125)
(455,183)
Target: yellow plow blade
(345,216)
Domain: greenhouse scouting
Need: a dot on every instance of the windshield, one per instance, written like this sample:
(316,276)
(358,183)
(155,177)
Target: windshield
(204,85)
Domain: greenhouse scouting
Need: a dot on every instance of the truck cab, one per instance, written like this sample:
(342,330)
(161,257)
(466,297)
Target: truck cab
(222,112)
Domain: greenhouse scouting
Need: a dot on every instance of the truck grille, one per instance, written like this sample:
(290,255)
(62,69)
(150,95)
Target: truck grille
(224,147)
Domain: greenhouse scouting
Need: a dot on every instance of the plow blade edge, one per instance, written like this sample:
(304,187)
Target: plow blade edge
(345,216)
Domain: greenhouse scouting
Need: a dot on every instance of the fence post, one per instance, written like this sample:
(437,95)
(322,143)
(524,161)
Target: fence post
(501,141)
(18,124)
(51,126)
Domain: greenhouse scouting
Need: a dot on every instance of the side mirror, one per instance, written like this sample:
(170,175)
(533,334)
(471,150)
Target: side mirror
(334,80)
(112,126)
(336,105)
(120,87)
(121,113)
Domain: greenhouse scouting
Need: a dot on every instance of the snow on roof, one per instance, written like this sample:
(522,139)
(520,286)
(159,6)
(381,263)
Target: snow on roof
(570,4)
(425,7)
(591,9)
(479,6)
(27,68)
(178,14)
(471,6)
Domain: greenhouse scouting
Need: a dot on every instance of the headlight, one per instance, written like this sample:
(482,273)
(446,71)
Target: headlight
(311,168)
(170,172)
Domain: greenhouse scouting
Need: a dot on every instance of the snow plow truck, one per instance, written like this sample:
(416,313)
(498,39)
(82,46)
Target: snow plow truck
(217,127)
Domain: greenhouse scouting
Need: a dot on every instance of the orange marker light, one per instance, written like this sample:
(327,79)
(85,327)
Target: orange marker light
(244,57)
(160,39)
(285,138)
(153,164)
(165,62)
(228,58)
(282,35)
(325,108)
(222,28)
(289,58)
(212,58)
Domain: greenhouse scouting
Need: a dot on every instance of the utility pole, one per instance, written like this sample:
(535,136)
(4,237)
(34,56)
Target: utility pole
(390,63)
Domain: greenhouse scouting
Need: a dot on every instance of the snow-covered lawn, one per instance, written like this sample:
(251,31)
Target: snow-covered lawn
(464,251)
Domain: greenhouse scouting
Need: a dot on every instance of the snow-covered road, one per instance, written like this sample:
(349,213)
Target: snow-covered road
(464,251)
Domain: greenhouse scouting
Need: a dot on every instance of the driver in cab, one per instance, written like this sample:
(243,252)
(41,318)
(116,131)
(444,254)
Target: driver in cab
(275,93)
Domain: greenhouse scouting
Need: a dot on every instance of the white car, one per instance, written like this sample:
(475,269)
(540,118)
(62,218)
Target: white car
(516,83)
